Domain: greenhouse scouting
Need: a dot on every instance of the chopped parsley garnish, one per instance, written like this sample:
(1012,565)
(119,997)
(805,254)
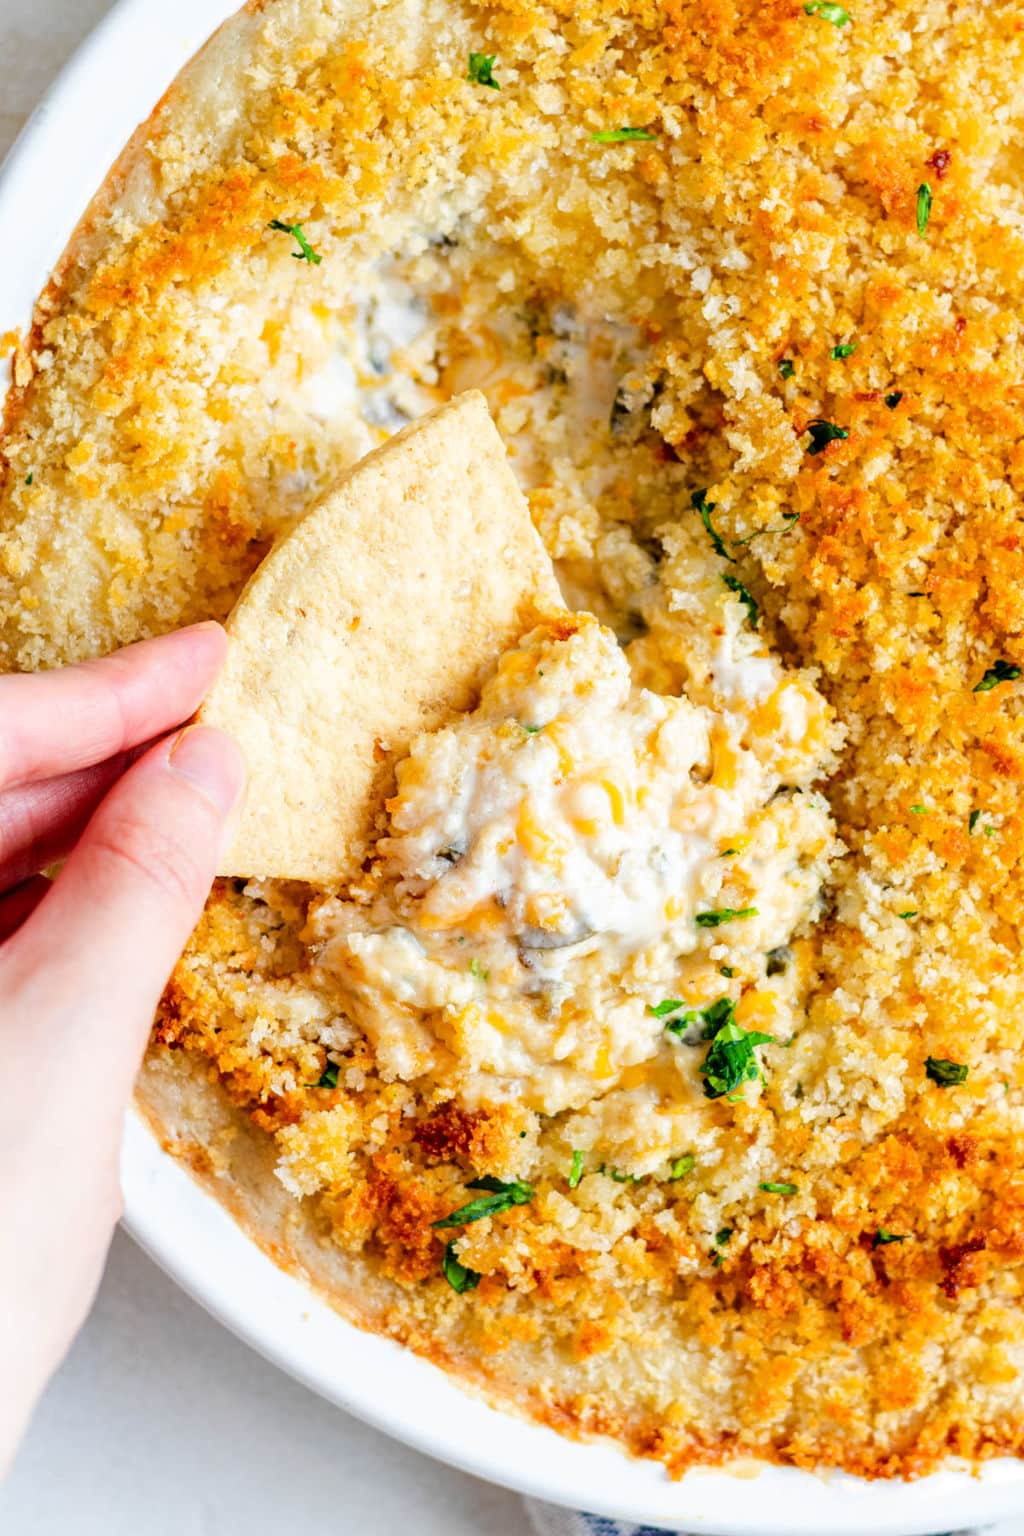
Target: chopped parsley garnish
(305,251)
(778,1189)
(735,585)
(704,508)
(947,1074)
(481,70)
(29,478)
(883,1236)
(727,971)
(998,672)
(329,1076)
(716,1014)
(789,519)
(787,367)
(836,14)
(576,1170)
(459,1276)
(618,1177)
(846,349)
(919,810)
(622,135)
(989,831)
(924,207)
(479,971)
(721,1238)
(710,1018)
(824,432)
(906,916)
(502,1196)
(531,730)
(668,1005)
(731,1059)
(972,820)
(720,915)
(893,400)
(682,1166)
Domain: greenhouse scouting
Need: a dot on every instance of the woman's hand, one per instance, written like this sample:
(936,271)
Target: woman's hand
(83,960)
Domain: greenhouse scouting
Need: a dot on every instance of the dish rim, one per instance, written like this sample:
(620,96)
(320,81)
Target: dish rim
(128,61)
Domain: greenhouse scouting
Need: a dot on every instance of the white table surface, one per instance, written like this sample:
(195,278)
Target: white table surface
(161,1423)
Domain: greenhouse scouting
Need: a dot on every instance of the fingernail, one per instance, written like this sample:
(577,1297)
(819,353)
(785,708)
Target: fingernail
(210,762)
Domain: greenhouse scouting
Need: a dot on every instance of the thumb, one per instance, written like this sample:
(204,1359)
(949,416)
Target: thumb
(88,967)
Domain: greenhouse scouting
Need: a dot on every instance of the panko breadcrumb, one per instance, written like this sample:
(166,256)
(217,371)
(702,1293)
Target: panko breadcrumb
(756,360)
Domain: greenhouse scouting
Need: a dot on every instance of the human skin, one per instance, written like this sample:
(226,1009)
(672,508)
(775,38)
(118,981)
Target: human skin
(92,771)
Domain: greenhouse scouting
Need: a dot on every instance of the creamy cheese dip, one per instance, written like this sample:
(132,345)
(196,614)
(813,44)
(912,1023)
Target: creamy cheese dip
(571,853)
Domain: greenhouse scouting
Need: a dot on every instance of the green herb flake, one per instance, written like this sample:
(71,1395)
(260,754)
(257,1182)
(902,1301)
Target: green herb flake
(459,1276)
(618,1177)
(946,1074)
(824,432)
(731,1060)
(481,70)
(329,1076)
(789,520)
(771,1188)
(502,1196)
(710,1018)
(906,916)
(919,810)
(884,1236)
(576,1170)
(722,1236)
(305,251)
(669,1005)
(989,831)
(531,730)
(787,368)
(622,136)
(924,207)
(999,672)
(836,14)
(893,400)
(972,820)
(846,349)
(716,1014)
(720,915)
(753,612)
(726,971)
(479,971)
(682,1166)
(704,508)
(29,478)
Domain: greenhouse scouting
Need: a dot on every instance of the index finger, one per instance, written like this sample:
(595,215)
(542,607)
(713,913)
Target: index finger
(56,722)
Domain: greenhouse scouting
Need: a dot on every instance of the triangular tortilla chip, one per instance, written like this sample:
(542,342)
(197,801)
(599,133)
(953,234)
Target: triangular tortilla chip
(373,620)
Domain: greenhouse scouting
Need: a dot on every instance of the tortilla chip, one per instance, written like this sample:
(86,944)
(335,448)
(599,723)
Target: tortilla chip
(376,618)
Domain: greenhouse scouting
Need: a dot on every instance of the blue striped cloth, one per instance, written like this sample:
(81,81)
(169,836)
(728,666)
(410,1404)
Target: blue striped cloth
(547,1520)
